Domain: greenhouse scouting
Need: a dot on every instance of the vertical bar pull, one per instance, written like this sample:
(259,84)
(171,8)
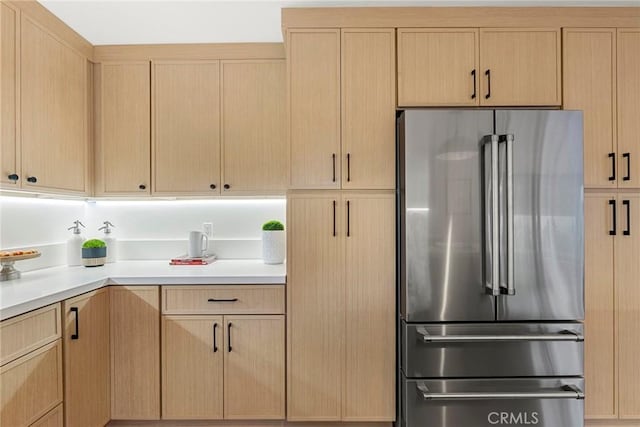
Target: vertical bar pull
(473,74)
(348,167)
(334,218)
(333,156)
(488,74)
(348,219)
(229,337)
(613,231)
(627,204)
(511,290)
(627,156)
(612,156)
(215,346)
(492,211)
(76,335)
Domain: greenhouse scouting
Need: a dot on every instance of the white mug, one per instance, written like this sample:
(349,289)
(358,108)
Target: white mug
(198,244)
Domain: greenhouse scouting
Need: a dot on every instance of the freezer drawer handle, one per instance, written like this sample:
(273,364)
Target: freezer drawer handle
(566,392)
(565,335)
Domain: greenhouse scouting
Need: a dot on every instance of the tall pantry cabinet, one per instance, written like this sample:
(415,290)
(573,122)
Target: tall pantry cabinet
(341,221)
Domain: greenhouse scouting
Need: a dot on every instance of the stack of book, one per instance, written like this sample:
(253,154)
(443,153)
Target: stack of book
(185,260)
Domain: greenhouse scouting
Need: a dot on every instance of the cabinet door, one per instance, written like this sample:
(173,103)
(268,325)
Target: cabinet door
(186,128)
(627,251)
(86,359)
(600,369)
(315,307)
(53,419)
(370,284)
(438,67)
(519,67)
(313,60)
(254,367)
(53,96)
(368,109)
(123,128)
(629,108)
(192,362)
(10,172)
(589,85)
(254,140)
(135,352)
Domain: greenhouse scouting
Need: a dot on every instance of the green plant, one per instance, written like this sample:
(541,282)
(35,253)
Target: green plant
(94,243)
(272,225)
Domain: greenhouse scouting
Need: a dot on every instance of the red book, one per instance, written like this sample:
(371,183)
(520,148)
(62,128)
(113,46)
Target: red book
(185,260)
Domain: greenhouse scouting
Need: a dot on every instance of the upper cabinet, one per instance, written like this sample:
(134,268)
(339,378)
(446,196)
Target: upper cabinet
(486,67)
(186,128)
(123,128)
(9,152)
(342,108)
(254,141)
(628,85)
(54,113)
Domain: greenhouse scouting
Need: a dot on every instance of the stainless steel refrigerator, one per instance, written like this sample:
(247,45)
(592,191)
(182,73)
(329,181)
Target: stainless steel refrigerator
(491,268)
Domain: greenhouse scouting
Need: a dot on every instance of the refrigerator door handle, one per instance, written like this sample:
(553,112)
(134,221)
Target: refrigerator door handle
(565,335)
(510,289)
(565,392)
(493,287)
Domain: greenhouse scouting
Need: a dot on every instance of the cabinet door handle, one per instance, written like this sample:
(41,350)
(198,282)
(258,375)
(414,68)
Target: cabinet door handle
(215,346)
(32,179)
(222,300)
(333,156)
(473,74)
(212,186)
(613,231)
(627,156)
(612,156)
(348,167)
(227,186)
(488,74)
(348,219)
(627,203)
(334,218)
(13,177)
(229,337)
(76,335)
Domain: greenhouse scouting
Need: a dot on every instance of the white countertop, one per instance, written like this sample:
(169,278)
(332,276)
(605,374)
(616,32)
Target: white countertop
(39,288)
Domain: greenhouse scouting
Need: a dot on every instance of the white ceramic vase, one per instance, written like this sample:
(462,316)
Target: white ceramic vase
(273,246)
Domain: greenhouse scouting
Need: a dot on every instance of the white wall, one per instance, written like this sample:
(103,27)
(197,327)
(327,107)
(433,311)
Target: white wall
(145,229)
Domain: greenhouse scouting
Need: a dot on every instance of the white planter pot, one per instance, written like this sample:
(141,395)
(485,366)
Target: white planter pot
(273,247)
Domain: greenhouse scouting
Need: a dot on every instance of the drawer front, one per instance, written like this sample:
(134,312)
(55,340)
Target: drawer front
(31,386)
(556,402)
(52,419)
(242,299)
(25,333)
(492,350)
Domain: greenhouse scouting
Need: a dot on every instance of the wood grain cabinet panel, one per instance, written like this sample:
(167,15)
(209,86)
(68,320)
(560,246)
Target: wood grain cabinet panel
(523,67)
(9,51)
(53,114)
(589,85)
(86,359)
(135,352)
(52,419)
(123,128)
(368,108)
(438,67)
(628,107)
(254,137)
(313,60)
(600,366)
(627,274)
(192,367)
(254,356)
(186,128)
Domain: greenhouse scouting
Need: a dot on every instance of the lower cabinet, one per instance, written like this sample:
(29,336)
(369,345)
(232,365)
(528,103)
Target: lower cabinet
(86,359)
(53,418)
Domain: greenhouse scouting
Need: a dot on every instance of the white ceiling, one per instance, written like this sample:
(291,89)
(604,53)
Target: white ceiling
(206,21)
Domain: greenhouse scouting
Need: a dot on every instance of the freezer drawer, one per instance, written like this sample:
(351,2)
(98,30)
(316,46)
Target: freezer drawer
(492,350)
(543,402)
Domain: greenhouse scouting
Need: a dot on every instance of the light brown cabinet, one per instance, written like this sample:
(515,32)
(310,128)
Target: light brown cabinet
(123,129)
(134,324)
(628,84)
(86,359)
(9,51)
(186,128)
(345,370)
(53,418)
(254,140)
(53,115)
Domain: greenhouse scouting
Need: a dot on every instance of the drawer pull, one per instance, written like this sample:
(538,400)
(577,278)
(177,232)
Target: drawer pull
(566,392)
(562,336)
(222,300)
(77,333)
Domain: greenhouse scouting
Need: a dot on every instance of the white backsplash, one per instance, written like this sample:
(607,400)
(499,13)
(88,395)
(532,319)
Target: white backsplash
(149,230)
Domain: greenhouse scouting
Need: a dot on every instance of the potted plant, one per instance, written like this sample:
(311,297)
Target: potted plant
(273,242)
(94,253)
